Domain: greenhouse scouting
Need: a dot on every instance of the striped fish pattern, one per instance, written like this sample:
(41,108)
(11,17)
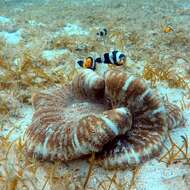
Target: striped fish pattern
(113,57)
(116,116)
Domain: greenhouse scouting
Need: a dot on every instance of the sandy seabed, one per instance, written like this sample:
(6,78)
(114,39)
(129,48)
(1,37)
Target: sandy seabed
(39,44)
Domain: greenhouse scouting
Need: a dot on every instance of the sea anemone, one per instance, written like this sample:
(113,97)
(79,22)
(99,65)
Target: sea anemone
(116,116)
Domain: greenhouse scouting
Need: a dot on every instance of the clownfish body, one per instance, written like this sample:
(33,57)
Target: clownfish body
(113,57)
(102,33)
(88,63)
(168,29)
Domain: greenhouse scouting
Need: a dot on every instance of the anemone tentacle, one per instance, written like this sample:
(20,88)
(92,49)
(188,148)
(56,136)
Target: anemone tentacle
(75,121)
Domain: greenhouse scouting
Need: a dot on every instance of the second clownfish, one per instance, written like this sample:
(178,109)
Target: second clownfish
(168,29)
(113,57)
